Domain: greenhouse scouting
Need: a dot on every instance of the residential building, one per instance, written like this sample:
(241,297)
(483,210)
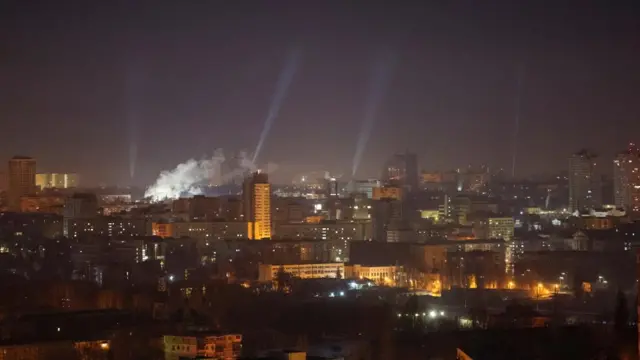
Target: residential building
(626,179)
(22,180)
(256,193)
(402,170)
(584,183)
(56,180)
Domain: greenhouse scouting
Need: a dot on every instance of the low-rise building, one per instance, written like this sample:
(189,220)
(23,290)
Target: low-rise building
(204,231)
(269,272)
(198,344)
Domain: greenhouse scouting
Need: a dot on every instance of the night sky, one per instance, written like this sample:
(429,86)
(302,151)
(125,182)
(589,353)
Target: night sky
(81,80)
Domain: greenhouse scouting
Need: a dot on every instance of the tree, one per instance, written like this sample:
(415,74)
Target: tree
(283,279)
(478,317)
(411,322)
(621,315)
(338,274)
(577,285)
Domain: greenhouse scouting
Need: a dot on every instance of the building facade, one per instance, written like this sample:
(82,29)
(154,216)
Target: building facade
(584,183)
(256,193)
(402,170)
(56,180)
(22,179)
(626,179)
(269,272)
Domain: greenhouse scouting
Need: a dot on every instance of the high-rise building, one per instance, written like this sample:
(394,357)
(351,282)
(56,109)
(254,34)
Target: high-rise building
(584,183)
(333,188)
(626,179)
(256,194)
(22,179)
(56,180)
(385,214)
(402,170)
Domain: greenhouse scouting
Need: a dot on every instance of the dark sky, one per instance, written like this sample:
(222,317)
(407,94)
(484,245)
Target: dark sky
(78,78)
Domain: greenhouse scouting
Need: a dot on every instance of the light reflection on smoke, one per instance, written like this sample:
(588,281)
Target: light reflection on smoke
(193,176)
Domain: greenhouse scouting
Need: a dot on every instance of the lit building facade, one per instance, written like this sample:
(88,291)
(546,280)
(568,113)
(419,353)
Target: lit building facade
(387,192)
(79,206)
(626,179)
(256,193)
(269,272)
(215,346)
(56,180)
(333,187)
(59,349)
(365,187)
(163,230)
(384,275)
(22,179)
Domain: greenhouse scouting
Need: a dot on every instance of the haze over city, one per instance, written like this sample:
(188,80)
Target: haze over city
(319,180)
(178,81)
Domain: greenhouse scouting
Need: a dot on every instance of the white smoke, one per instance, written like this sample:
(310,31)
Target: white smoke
(192,176)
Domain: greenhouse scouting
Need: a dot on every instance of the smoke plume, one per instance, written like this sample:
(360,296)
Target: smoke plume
(193,176)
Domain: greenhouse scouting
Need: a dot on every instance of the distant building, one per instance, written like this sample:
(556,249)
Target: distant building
(473,179)
(365,187)
(56,180)
(384,213)
(325,230)
(231,208)
(387,192)
(402,170)
(204,231)
(115,199)
(626,179)
(3,181)
(52,204)
(163,230)
(333,187)
(384,275)
(202,345)
(22,179)
(269,272)
(256,193)
(198,208)
(584,183)
(286,210)
(501,228)
(105,226)
(56,349)
(79,206)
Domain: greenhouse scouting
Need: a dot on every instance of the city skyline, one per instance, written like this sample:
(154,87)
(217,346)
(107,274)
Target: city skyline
(139,90)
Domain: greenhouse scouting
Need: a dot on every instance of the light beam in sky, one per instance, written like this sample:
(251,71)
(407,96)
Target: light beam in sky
(380,77)
(282,88)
